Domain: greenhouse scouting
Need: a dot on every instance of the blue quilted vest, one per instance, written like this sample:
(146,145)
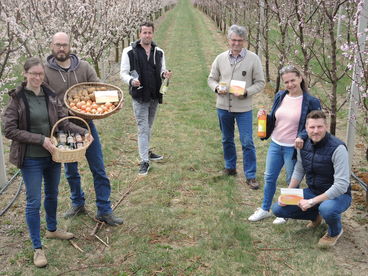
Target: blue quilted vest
(317,163)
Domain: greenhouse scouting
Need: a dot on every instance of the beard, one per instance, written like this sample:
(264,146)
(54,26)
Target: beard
(61,55)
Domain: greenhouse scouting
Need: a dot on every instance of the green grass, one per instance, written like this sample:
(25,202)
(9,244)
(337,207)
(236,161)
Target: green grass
(184,217)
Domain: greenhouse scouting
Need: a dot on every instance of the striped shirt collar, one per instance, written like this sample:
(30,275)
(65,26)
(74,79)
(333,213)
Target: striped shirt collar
(238,58)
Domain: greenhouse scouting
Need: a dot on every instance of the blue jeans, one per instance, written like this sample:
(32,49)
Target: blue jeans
(244,122)
(33,171)
(144,113)
(277,157)
(100,180)
(330,210)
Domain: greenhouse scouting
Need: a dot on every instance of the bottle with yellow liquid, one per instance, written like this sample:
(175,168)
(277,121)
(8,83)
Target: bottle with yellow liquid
(262,124)
(165,86)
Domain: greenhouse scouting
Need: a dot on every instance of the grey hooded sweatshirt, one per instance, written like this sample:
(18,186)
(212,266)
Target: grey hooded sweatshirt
(60,79)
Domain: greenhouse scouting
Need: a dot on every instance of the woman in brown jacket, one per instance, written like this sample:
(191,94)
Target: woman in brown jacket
(28,119)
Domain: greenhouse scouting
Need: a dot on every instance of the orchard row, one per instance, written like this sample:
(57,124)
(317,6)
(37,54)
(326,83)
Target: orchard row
(319,36)
(96,27)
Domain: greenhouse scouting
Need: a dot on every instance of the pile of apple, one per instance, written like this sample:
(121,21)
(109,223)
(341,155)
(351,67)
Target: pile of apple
(82,99)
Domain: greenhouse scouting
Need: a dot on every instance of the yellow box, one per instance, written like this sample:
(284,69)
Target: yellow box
(237,87)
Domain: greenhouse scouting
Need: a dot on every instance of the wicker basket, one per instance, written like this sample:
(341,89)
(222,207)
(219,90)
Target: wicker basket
(94,84)
(68,156)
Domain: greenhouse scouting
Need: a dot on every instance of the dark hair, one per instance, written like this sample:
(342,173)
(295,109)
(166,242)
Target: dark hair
(292,69)
(316,114)
(30,62)
(146,24)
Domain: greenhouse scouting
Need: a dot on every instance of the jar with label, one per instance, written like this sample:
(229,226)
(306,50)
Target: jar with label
(70,140)
(79,141)
(222,86)
(61,139)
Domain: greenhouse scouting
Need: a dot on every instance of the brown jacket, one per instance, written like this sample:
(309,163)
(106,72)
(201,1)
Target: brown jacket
(16,122)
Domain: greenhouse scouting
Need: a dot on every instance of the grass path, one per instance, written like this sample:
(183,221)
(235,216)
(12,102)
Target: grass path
(185,217)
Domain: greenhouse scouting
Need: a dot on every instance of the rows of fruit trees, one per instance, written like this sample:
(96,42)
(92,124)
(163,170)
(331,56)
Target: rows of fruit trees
(99,30)
(320,36)
(97,27)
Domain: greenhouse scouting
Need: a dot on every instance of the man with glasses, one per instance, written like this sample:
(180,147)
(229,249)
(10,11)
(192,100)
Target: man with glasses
(237,66)
(63,70)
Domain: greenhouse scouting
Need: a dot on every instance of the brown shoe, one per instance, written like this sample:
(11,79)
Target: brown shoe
(315,223)
(58,234)
(231,172)
(326,241)
(39,258)
(253,184)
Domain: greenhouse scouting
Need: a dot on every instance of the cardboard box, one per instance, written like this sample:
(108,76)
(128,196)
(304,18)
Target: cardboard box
(237,87)
(291,196)
(108,96)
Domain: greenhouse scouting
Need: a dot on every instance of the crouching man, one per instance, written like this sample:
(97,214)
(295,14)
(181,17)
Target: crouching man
(324,162)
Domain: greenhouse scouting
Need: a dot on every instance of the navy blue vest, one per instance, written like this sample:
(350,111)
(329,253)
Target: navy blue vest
(317,163)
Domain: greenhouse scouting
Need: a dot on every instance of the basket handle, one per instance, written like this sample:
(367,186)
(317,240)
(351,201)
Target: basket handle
(67,118)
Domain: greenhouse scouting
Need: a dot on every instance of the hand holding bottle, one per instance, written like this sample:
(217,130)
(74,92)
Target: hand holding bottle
(167,74)
(222,88)
(165,85)
(48,145)
(262,123)
(261,112)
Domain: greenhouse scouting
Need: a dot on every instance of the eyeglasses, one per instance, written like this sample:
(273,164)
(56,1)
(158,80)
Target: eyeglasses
(237,40)
(289,69)
(58,45)
(34,74)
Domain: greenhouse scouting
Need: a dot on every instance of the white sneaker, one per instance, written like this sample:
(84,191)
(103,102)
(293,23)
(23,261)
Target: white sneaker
(259,214)
(280,221)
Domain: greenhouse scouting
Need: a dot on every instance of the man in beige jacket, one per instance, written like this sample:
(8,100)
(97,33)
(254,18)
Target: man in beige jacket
(241,65)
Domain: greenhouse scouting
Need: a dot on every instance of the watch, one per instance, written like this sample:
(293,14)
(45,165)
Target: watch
(311,202)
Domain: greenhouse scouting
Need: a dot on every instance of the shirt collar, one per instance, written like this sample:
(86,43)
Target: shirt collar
(241,54)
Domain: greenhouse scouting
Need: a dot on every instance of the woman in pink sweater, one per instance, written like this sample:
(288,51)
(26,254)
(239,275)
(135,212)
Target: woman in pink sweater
(286,127)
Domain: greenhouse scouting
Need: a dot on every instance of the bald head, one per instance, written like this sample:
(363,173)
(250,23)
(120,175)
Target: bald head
(60,47)
(60,36)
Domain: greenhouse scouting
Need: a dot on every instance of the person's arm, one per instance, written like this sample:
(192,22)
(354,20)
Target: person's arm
(11,119)
(214,76)
(125,67)
(298,172)
(258,80)
(297,176)
(341,183)
(165,74)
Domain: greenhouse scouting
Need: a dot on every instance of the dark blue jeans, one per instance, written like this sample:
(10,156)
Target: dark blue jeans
(330,210)
(33,171)
(100,180)
(244,121)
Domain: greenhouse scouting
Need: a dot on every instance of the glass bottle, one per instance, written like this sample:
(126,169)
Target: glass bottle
(262,124)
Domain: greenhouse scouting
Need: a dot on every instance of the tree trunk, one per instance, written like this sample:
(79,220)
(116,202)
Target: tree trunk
(97,68)
(117,52)
(334,78)
(266,40)
(267,56)
(333,100)
(3,178)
